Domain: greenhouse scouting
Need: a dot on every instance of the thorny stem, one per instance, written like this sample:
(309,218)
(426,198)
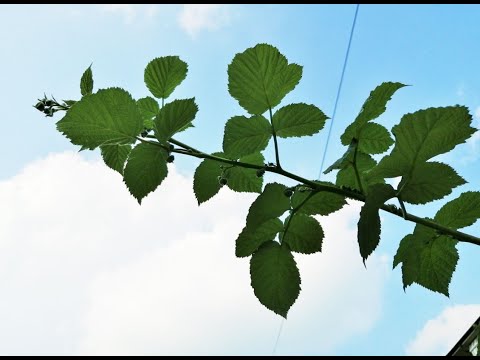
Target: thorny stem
(277,155)
(316,186)
(294,210)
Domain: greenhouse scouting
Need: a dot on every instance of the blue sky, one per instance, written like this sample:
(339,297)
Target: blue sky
(85,269)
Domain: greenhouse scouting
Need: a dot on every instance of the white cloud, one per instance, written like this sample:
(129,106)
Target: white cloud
(440,334)
(194,18)
(130,11)
(85,270)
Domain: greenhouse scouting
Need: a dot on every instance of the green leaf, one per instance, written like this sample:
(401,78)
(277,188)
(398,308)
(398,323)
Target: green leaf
(298,120)
(244,136)
(376,104)
(439,260)
(374,139)
(304,234)
(164,74)
(145,170)
(115,156)
(369,222)
(86,82)
(245,180)
(373,107)
(148,107)
(345,160)
(107,117)
(250,240)
(410,248)
(460,212)
(205,179)
(346,177)
(322,203)
(275,277)
(260,77)
(429,181)
(427,259)
(174,117)
(423,135)
(270,204)
(149,124)
(403,250)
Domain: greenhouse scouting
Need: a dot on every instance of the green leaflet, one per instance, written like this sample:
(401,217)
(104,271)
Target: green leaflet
(149,124)
(174,117)
(107,117)
(148,107)
(304,234)
(411,250)
(369,222)
(374,139)
(86,82)
(346,177)
(373,107)
(460,212)
(365,138)
(270,204)
(298,120)
(115,156)
(243,179)
(439,260)
(346,159)
(427,133)
(322,203)
(423,135)
(403,250)
(429,181)
(376,103)
(260,77)
(419,137)
(244,136)
(427,259)
(249,240)
(164,74)
(145,170)
(275,277)
(205,179)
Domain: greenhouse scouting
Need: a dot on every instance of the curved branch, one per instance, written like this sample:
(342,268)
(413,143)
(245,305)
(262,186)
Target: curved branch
(352,194)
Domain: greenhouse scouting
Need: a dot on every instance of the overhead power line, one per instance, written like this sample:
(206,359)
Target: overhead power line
(339,90)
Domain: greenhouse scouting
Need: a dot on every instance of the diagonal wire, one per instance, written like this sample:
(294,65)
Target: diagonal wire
(339,89)
(278,336)
(329,132)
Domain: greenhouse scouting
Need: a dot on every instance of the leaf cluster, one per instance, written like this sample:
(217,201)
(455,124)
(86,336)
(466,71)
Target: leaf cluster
(137,139)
